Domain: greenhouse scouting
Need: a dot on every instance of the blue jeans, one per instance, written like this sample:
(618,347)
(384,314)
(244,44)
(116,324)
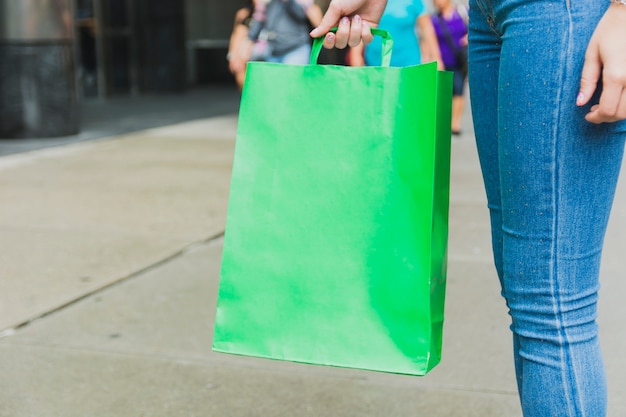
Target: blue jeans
(550,177)
(298,56)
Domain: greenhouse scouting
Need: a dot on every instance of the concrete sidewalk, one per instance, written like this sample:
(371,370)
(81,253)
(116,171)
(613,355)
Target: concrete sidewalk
(109,266)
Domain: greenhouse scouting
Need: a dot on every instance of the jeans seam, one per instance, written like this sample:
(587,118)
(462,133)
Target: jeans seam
(488,13)
(565,353)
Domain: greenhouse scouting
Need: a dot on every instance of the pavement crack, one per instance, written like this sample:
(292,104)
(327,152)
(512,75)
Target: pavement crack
(211,240)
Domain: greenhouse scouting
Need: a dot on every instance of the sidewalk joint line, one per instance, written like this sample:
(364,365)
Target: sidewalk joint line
(4,333)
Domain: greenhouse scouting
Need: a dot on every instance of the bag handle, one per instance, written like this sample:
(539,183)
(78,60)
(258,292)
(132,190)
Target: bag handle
(387,48)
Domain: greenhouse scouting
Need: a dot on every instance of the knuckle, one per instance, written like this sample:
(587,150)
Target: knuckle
(354,41)
(607,114)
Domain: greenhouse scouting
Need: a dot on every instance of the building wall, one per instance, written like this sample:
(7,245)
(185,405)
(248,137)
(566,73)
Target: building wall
(37,69)
(209,24)
(210,19)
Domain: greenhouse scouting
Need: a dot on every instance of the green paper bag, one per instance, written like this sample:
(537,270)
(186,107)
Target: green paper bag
(336,233)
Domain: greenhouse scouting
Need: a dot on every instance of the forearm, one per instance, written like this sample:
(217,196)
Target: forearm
(356,56)
(314,14)
(429,44)
(239,35)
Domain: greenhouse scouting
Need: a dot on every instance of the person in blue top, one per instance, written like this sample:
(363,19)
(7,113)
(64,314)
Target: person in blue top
(404,19)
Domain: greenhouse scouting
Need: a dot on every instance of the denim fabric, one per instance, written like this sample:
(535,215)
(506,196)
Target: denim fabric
(458,80)
(550,177)
(298,56)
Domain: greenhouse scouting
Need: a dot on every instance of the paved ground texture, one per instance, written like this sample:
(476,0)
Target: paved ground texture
(109,264)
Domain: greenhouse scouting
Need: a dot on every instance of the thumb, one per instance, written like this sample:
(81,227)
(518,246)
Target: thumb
(592,69)
(330,20)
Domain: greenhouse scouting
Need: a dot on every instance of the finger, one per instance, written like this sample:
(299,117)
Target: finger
(607,108)
(621,112)
(329,21)
(329,40)
(343,33)
(601,115)
(614,78)
(355,31)
(610,108)
(594,116)
(592,69)
(366,33)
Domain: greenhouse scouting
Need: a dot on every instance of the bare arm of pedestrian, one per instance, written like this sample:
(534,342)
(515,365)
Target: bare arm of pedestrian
(429,43)
(463,40)
(315,15)
(356,56)
(606,58)
(361,16)
(239,45)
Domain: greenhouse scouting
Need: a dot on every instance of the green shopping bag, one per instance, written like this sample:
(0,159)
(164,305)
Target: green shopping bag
(336,233)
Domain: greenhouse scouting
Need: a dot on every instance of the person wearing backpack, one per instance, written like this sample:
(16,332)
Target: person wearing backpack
(285,25)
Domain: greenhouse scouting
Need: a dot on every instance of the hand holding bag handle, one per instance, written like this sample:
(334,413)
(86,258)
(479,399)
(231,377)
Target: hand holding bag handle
(387,48)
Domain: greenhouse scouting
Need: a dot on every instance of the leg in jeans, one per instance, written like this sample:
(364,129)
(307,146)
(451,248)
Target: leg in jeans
(550,177)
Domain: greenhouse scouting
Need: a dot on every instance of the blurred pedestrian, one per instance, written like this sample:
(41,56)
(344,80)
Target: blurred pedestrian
(285,25)
(414,39)
(450,23)
(239,48)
